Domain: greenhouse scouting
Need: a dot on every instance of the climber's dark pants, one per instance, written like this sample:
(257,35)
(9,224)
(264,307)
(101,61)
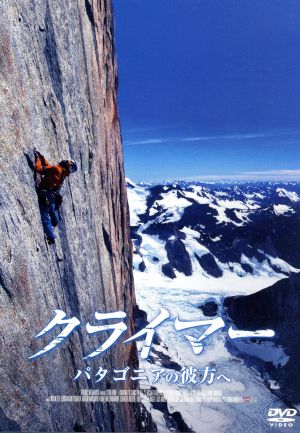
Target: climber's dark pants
(49,213)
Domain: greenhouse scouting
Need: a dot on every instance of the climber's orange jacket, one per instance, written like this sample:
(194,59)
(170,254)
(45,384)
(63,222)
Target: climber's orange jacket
(53,175)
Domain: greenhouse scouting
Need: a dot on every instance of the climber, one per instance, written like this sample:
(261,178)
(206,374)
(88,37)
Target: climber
(48,191)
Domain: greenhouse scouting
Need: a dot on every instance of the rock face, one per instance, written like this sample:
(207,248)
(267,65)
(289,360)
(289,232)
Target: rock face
(178,256)
(209,264)
(209,309)
(58,83)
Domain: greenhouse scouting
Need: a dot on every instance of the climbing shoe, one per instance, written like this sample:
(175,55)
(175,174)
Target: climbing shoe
(51,241)
(53,222)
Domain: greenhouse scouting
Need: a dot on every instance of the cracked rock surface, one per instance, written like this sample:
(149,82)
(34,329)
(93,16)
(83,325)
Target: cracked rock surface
(58,83)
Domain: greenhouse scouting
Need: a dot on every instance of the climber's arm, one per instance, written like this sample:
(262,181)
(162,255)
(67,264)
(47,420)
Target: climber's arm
(41,164)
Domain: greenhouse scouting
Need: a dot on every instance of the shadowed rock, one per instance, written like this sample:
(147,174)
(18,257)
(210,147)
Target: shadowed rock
(209,264)
(168,270)
(178,256)
(209,309)
(278,308)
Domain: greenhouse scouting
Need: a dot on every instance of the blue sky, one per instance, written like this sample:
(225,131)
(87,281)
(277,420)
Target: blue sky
(209,88)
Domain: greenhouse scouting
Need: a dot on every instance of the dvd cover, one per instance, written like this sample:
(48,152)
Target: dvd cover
(167,300)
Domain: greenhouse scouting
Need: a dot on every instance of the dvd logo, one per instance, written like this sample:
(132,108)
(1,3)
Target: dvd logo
(281,417)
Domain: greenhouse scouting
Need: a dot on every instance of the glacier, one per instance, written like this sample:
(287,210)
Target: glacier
(217,241)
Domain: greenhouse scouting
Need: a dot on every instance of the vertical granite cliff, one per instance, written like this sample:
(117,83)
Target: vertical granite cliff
(58,84)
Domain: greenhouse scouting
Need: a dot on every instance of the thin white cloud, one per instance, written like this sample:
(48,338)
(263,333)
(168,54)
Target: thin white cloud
(239,136)
(204,138)
(246,136)
(267,175)
(275,172)
(148,141)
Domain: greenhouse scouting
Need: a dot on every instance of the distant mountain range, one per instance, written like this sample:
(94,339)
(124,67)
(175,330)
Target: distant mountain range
(214,230)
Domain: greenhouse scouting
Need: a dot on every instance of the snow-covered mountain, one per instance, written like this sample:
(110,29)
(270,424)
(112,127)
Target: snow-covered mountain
(197,246)
(194,232)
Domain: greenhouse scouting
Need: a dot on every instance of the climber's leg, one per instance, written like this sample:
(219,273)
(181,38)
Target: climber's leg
(53,214)
(47,224)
